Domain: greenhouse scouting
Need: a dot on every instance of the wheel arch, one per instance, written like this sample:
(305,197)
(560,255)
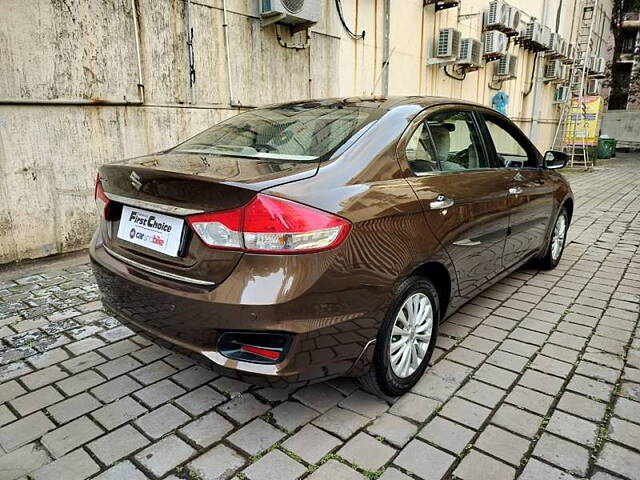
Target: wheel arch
(442,280)
(568,204)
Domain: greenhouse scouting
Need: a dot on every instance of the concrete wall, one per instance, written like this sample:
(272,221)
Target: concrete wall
(624,126)
(70,101)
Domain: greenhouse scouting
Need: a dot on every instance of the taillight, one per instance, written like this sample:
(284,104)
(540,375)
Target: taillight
(102,202)
(219,230)
(271,225)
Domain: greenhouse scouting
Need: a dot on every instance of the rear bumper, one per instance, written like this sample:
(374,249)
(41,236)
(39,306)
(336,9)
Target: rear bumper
(331,329)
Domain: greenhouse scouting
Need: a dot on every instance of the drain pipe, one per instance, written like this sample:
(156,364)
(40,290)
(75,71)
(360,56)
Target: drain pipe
(136,31)
(386,12)
(225,26)
(558,16)
(535,120)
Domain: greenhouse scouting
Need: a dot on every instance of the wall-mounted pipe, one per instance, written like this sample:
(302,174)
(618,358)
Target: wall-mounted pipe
(136,31)
(573,20)
(225,26)
(385,67)
(68,102)
(191,70)
(98,102)
(533,75)
(386,24)
(352,34)
(293,45)
(450,75)
(558,16)
(533,131)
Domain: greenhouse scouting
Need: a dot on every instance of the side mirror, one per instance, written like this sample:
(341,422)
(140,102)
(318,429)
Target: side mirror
(554,159)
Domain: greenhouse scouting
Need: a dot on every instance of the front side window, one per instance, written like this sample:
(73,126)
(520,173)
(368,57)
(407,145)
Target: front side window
(301,132)
(511,153)
(456,141)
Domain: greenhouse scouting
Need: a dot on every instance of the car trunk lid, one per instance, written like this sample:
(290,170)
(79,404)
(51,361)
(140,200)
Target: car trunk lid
(152,196)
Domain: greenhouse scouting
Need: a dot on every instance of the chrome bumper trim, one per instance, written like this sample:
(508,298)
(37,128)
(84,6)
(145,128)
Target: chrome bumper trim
(156,271)
(158,207)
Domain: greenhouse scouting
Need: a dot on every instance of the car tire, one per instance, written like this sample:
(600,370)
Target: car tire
(388,374)
(555,246)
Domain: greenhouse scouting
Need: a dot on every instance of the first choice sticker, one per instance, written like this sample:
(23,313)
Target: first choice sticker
(155,231)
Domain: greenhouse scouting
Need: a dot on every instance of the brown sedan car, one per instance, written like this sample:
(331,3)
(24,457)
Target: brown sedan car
(324,238)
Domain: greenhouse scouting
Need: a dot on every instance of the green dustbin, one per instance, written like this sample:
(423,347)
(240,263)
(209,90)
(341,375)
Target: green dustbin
(606,147)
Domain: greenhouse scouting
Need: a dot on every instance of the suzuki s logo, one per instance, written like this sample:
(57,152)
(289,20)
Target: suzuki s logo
(135,180)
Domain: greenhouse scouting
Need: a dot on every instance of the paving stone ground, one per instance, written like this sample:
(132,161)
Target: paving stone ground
(537,378)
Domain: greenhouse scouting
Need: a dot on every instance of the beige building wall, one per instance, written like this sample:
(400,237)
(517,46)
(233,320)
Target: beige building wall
(413,31)
(70,98)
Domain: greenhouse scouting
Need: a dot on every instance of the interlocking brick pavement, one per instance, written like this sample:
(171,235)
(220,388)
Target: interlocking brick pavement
(537,378)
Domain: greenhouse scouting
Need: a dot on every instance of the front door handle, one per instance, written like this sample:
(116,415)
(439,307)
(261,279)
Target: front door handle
(515,190)
(441,202)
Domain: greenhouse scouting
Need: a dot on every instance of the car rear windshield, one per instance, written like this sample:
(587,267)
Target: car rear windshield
(293,132)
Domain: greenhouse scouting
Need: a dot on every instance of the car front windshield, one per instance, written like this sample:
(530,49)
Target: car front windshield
(302,132)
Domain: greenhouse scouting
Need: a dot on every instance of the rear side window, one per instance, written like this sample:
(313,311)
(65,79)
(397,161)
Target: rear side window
(419,151)
(456,141)
(512,152)
(302,132)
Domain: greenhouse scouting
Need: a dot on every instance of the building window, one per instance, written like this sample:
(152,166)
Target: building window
(620,86)
(628,42)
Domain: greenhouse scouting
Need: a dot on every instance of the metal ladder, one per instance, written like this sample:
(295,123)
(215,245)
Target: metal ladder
(572,117)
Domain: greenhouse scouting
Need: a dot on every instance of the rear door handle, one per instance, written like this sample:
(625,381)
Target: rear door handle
(515,190)
(441,202)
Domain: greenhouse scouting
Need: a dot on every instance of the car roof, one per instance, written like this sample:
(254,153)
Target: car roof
(385,103)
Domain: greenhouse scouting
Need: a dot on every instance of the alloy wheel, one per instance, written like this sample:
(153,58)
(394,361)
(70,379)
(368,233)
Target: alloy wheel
(557,240)
(411,335)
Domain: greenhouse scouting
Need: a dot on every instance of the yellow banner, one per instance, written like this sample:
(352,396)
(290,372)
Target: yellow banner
(584,121)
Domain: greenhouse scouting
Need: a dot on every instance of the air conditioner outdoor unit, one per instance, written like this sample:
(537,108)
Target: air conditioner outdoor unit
(505,68)
(585,60)
(562,47)
(561,94)
(300,14)
(470,53)
(593,87)
(592,63)
(494,43)
(448,43)
(553,70)
(497,16)
(531,35)
(570,53)
(599,67)
(546,38)
(565,75)
(554,45)
(513,23)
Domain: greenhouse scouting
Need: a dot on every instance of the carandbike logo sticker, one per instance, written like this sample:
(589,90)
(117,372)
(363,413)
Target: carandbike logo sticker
(155,239)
